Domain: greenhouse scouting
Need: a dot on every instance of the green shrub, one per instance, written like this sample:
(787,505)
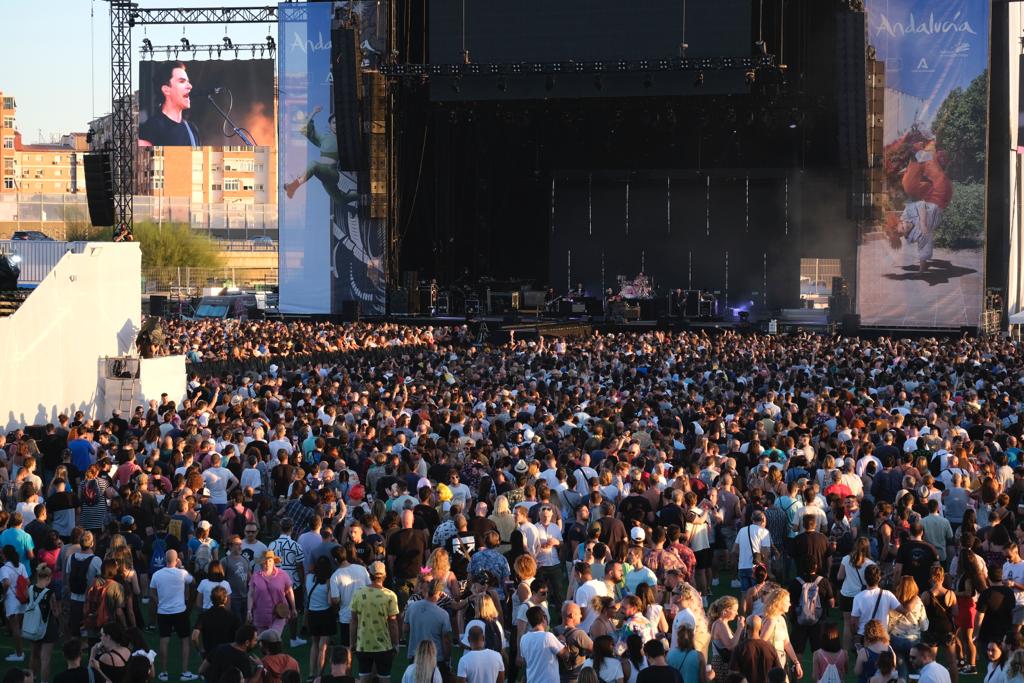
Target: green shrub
(963,222)
(175,244)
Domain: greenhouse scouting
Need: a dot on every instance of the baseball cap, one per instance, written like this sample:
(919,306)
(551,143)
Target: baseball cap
(205,492)
(204,524)
(377,569)
(128,520)
(638,534)
(270,636)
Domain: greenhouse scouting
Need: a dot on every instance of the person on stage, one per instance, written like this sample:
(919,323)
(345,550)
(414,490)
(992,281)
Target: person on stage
(168,128)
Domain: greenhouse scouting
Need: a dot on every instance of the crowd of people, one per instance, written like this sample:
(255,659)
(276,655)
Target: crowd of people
(617,508)
(241,340)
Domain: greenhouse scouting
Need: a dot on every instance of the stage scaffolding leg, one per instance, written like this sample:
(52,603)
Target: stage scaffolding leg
(123,143)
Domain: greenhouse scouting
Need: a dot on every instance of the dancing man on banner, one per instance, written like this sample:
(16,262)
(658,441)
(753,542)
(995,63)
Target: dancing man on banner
(326,168)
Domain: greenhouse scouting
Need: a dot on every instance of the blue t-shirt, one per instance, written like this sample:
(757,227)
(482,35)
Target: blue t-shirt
(686,662)
(81,454)
(21,541)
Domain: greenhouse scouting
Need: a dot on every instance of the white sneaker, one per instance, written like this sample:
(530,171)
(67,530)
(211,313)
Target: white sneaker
(145,601)
(189,676)
(735,583)
(163,676)
(298,642)
(14,657)
(714,582)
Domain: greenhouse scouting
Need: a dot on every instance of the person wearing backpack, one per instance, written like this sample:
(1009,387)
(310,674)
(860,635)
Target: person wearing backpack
(92,497)
(104,601)
(203,550)
(39,624)
(14,582)
(81,570)
(829,662)
(811,597)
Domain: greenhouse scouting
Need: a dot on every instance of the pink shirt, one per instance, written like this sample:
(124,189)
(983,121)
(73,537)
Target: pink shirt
(266,592)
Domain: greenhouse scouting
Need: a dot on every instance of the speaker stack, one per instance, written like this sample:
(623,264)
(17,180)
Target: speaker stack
(99,189)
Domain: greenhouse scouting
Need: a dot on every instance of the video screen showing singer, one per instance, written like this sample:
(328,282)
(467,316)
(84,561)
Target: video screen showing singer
(168,127)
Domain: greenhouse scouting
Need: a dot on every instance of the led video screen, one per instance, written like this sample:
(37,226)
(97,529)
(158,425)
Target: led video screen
(206,103)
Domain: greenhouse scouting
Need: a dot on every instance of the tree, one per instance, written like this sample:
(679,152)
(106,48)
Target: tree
(175,244)
(960,130)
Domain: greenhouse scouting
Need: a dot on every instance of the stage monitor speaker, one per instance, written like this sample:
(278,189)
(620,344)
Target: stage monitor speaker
(99,189)
(350,311)
(400,301)
(851,324)
(158,305)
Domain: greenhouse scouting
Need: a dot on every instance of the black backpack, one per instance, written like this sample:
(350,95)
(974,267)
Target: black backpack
(78,578)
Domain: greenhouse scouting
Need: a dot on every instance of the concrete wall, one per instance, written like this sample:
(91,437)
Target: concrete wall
(89,306)
(161,375)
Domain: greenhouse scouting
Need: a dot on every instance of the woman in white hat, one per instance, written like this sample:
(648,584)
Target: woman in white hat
(271,599)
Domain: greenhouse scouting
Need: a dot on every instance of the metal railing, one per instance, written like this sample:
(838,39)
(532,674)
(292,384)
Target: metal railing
(186,281)
(246,245)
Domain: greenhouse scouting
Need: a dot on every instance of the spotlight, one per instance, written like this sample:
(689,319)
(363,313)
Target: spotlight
(270,42)
(147,45)
(90,135)
(465,57)
(749,77)
(699,81)
(185,44)
(228,44)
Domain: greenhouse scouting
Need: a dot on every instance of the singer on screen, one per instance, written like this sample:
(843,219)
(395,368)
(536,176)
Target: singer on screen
(168,127)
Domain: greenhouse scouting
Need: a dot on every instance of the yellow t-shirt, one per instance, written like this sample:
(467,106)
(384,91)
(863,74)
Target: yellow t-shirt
(374,607)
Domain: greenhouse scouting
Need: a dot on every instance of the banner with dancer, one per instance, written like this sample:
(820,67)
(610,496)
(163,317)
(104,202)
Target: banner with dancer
(307,157)
(921,263)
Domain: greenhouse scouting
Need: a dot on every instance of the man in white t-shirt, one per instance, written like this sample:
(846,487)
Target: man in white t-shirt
(588,589)
(549,538)
(349,577)
(922,657)
(478,664)
(873,602)
(539,649)
(220,481)
(531,535)
(169,589)
(751,539)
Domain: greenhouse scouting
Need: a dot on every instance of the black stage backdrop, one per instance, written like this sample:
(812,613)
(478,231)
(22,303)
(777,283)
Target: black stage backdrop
(720,231)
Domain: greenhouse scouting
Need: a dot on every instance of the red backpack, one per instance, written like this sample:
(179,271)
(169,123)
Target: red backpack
(96,613)
(21,589)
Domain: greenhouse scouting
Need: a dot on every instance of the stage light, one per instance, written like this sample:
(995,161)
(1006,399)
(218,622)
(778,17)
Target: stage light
(270,43)
(699,81)
(465,57)
(744,316)
(749,77)
(147,45)
(622,65)
(185,44)
(228,44)
(760,49)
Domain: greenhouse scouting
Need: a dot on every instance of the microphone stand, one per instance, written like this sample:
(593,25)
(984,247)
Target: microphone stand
(238,131)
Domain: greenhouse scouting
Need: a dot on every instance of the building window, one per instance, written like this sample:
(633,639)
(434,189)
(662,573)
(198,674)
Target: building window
(8,183)
(215,187)
(259,187)
(231,185)
(57,172)
(8,142)
(258,168)
(8,122)
(247,186)
(56,159)
(8,103)
(158,183)
(8,165)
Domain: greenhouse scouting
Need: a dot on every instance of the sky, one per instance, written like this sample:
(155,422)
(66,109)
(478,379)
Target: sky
(58,66)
